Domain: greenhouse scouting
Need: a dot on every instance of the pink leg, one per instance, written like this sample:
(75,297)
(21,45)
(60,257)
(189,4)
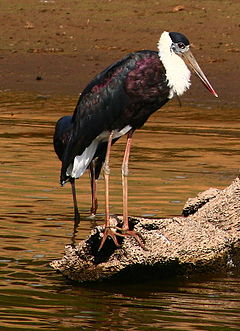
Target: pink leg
(107,231)
(93,189)
(126,231)
(125,181)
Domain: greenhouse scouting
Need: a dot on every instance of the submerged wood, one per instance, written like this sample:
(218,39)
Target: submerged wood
(207,239)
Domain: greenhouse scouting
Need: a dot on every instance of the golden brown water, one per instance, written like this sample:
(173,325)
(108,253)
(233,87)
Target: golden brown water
(179,152)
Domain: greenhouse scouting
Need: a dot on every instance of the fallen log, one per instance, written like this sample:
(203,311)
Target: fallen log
(206,239)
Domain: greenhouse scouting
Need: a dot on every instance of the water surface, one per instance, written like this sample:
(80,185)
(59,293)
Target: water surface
(178,153)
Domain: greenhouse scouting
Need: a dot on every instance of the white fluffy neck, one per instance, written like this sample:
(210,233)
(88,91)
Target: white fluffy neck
(177,73)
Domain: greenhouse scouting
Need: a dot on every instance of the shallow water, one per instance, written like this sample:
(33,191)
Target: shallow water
(179,152)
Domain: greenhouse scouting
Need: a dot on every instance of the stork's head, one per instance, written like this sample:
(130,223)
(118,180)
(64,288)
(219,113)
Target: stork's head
(180,46)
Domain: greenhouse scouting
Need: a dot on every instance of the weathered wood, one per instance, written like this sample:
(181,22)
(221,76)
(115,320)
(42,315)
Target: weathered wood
(206,240)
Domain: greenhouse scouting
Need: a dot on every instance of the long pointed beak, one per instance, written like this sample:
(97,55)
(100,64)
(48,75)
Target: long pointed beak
(190,59)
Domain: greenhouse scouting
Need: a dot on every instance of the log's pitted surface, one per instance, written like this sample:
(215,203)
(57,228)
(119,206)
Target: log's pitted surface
(193,204)
(207,240)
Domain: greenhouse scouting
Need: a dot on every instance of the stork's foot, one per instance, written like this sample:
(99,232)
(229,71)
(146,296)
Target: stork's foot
(112,234)
(139,238)
(124,233)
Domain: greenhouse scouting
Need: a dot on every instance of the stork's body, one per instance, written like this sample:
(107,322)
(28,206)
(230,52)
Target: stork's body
(120,100)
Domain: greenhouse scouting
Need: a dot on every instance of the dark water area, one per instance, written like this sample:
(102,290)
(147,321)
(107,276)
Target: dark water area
(178,153)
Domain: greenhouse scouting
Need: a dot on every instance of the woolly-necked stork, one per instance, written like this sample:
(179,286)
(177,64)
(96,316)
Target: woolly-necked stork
(120,100)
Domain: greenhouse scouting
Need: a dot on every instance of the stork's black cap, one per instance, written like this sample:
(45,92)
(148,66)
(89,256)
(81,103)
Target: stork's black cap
(179,38)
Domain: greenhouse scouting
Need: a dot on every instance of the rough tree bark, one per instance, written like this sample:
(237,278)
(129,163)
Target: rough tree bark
(206,238)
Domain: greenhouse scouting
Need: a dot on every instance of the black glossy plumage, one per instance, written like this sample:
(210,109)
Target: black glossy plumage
(179,38)
(62,134)
(125,93)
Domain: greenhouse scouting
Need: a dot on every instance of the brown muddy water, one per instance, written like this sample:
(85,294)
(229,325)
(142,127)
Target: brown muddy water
(179,152)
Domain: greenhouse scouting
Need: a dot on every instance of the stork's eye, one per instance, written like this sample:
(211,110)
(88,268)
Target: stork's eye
(181,45)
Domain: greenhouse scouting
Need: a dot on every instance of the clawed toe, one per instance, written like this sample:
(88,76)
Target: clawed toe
(108,232)
(139,238)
